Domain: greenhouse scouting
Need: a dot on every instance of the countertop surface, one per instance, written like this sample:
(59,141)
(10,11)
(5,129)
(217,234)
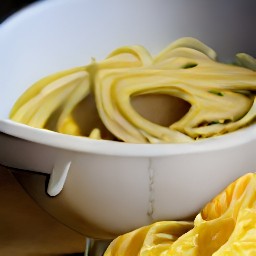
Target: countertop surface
(27,230)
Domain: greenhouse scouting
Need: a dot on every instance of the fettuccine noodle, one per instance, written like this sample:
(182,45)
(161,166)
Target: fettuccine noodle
(221,96)
(225,227)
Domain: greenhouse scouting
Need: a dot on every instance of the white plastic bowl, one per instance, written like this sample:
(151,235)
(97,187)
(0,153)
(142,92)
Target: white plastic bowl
(103,188)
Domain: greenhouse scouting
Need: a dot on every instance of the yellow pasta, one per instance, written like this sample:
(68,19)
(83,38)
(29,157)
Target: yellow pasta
(221,96)
(226,226)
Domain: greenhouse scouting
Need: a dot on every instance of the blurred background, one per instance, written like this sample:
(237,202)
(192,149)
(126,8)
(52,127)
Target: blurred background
(7,7)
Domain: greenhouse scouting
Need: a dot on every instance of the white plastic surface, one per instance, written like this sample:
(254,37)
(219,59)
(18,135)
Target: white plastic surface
(58,176)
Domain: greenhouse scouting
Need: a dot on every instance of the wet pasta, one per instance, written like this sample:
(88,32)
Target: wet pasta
(221,96)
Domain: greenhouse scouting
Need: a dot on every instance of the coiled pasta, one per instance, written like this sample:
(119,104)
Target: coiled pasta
(221,96)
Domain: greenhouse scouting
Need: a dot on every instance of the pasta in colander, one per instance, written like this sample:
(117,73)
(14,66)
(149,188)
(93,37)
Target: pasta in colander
(221,96)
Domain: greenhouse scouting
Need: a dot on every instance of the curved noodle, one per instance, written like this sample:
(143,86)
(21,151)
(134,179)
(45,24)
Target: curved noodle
(222,96)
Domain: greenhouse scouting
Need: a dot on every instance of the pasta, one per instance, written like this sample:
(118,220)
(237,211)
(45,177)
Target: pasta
(226,226)
(221,96)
